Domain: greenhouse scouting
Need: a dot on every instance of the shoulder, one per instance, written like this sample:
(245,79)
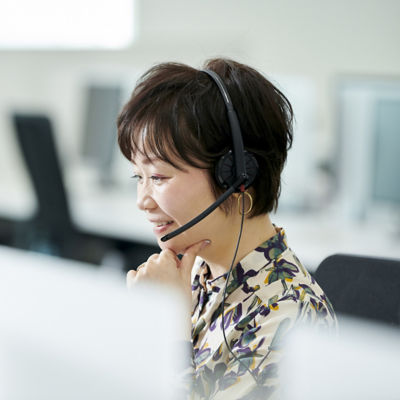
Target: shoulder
(286,286)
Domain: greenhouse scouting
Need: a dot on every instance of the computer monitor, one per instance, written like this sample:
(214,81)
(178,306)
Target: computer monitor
(386,147)
(103,103)
(368,166)
(69,331)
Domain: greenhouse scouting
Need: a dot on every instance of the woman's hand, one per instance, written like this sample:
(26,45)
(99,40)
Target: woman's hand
(167,269)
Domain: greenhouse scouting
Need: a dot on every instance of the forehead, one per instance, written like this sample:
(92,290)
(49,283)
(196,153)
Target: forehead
(150,144)
(143,159)
(149,159)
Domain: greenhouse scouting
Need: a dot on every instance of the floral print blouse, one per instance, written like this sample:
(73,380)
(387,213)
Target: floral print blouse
(268,293)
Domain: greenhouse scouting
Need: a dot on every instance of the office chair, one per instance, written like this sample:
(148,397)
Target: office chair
(363,287)
(51,230)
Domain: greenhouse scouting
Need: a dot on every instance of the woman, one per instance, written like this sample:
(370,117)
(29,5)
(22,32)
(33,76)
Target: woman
(246,287)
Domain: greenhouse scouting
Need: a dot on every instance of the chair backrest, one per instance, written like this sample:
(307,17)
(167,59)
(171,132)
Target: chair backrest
(35,137)
(362,286)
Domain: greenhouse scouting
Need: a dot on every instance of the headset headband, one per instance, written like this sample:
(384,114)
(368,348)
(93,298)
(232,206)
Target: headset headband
(238,148)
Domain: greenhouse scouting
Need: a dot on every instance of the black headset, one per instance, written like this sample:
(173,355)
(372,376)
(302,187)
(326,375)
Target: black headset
(235,171)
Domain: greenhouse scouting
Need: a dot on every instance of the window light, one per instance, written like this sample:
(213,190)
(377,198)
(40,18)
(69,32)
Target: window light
(69,24)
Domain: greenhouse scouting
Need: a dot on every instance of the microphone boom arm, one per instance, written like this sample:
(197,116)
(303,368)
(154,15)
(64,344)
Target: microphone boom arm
(206,212)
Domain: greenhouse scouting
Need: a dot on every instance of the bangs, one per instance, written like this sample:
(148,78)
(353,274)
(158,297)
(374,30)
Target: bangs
(164,129)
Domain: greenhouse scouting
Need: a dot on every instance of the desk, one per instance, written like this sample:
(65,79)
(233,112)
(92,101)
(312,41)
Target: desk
(94,209)
(111,212)
(316,236)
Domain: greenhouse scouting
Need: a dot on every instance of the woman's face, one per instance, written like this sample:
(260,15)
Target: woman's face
(171,197)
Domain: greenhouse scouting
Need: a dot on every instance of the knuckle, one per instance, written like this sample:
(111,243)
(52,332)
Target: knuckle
(130,274)
(153,257)
(168,254)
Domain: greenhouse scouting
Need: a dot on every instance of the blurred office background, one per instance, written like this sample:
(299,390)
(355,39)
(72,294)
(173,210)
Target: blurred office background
(67,203)
(75,63)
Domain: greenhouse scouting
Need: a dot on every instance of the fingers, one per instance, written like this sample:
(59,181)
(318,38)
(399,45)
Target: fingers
(147,269)
(166,267)
(153,257)
(130,278)
(167,255)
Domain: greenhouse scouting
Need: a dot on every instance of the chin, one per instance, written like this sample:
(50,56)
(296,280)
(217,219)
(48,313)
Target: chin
(177,246)
(170,245)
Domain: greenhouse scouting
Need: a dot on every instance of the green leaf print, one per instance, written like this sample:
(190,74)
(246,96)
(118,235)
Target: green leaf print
(245,362)
(227,380)
(279,334)
(281,270)
(303,270)
(274,252)
(308,289)
(202,355)
(217,312)
(270,371)
(199,327)
(244,322)
(219,370)
(249,336)
(273,300)
(256,301)
(209,379)
(218,353)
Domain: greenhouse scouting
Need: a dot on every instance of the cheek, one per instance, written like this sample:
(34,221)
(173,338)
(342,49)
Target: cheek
(185,202)
(172,202)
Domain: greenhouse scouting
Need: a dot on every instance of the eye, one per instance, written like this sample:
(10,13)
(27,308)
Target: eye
(136,177)
(157,179)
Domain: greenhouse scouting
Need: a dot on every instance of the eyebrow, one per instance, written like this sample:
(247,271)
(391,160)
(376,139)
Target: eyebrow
(148,161)
(151,160)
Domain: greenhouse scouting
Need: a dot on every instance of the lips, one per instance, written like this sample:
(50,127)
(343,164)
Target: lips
(160,222)
(161,226)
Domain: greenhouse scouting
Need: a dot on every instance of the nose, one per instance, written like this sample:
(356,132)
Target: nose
(144,199)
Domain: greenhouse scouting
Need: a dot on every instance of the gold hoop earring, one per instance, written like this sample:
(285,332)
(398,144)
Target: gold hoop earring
(251,203)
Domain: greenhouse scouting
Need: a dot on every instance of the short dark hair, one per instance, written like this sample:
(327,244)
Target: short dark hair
(179,112)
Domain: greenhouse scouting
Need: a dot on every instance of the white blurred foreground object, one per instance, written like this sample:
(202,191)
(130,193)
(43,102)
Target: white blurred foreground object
(69,332)
(361,362)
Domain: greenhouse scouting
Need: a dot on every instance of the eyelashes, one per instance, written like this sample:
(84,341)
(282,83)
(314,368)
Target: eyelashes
(154,178)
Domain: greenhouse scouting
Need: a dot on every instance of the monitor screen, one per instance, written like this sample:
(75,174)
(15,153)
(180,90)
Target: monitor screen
(386,148)
(103,103)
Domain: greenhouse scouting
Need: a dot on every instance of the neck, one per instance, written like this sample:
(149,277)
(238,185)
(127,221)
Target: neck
(255,231)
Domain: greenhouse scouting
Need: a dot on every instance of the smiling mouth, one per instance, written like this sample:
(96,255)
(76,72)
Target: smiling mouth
(158,225)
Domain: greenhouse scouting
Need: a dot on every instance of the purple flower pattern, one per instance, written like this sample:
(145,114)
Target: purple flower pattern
(268,293)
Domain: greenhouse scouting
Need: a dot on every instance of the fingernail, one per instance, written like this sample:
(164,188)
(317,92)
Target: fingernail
(205,244)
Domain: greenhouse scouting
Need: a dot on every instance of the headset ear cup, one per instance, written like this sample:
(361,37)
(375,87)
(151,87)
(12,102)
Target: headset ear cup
(251,168)
(225,170)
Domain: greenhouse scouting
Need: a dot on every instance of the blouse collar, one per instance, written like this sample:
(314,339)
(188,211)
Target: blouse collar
(262,255)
